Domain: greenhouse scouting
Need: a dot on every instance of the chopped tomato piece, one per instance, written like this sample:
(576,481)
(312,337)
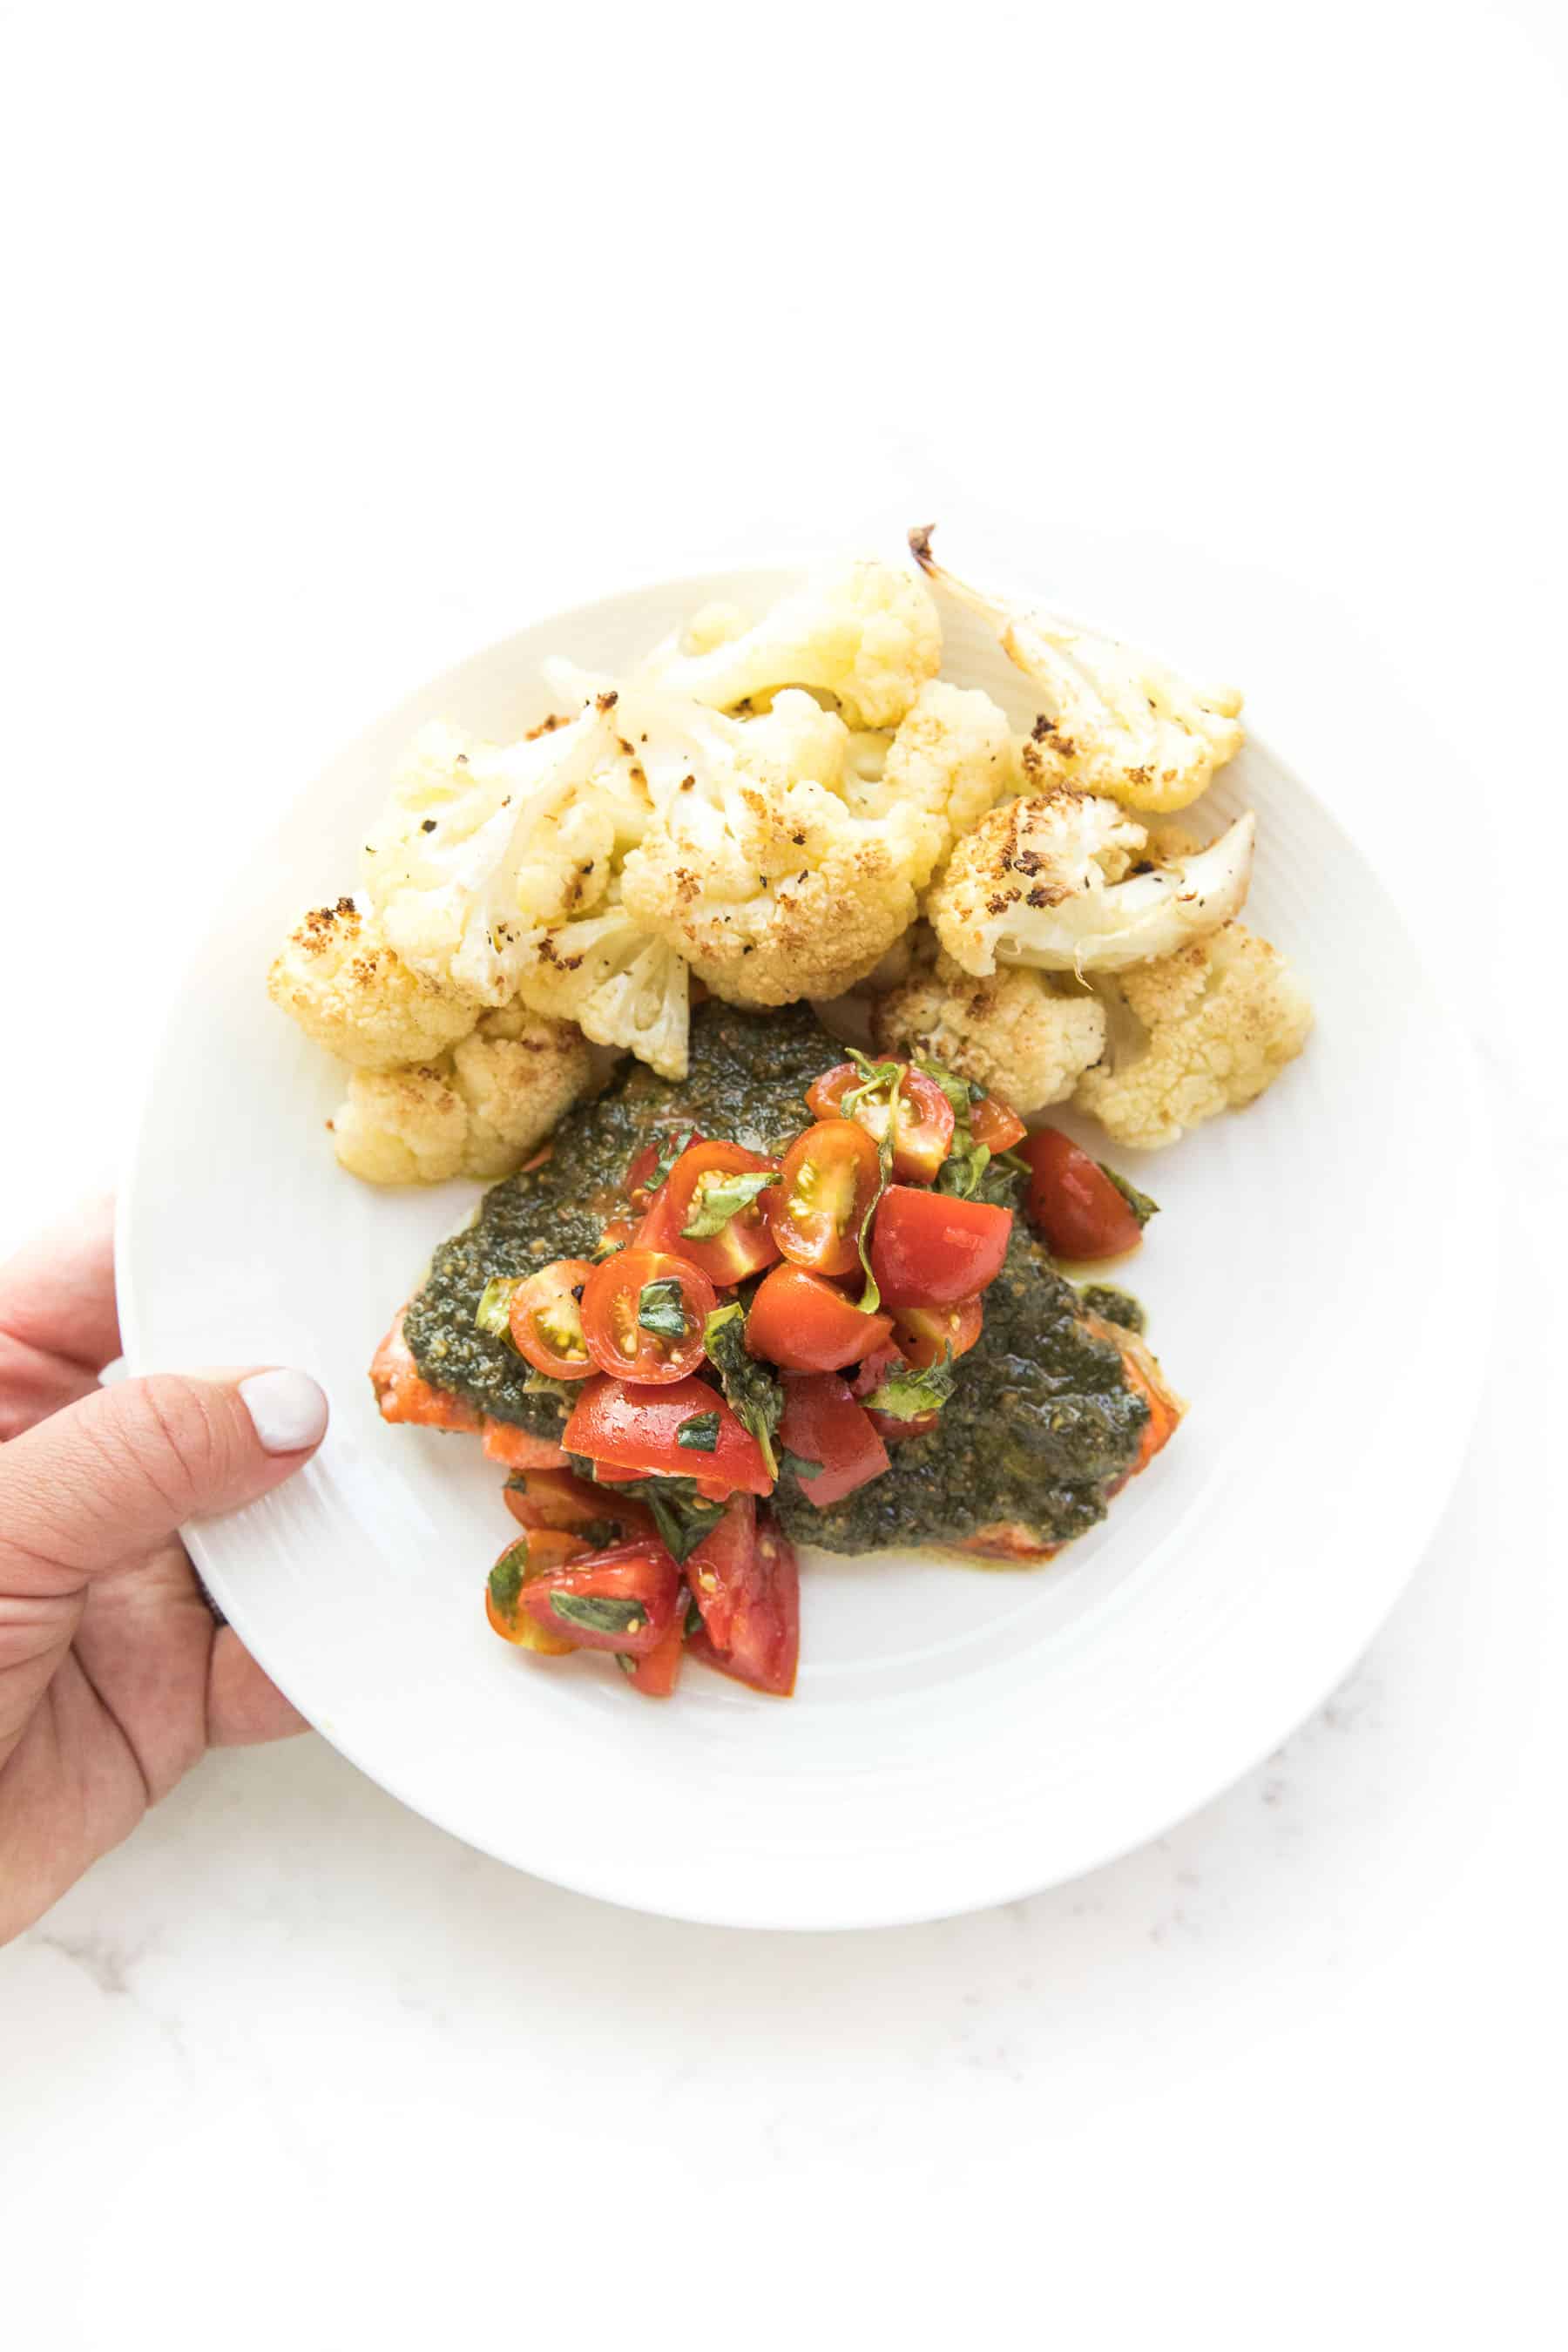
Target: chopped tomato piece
(657,1675)
(931,1249)
(831,1176)
(927,1334)
(622,1599)
(545,1320)
(538,1553)
(711,1209)
(994,1125)
(868,1378)
(504,1441)
(1073,1202)
(923,1128)
(557,1499)
(746,1582)
(802,1323)
(638,1430)
(822,1424)
(618,1234)
(643,1315)
(401,1392)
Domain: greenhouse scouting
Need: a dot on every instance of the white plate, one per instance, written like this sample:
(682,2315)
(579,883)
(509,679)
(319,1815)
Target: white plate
(958,1737)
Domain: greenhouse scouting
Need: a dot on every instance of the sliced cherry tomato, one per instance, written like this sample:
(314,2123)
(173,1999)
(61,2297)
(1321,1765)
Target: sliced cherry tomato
(822,1424)
(803,1324)
(556,1499)
(622,1599)
(831,1176)
(931,1249)
(994,1125)
(693,1193)
(643,1315)
(657,1675)
(746,1582)
(402,1393)
(545,1320)
(640,1189)
(922,1134)
(891,1427)
(637,1429)
(868,1378)
(927,1334)
(504,1441)
(536,1554)
(618,1234)
(1074,1203)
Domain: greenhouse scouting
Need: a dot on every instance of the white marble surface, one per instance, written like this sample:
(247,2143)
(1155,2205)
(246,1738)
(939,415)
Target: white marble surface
(344,351)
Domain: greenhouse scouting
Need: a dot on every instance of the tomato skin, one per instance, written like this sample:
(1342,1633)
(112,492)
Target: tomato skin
(743,1247)
(803,1324)
(640,1191)
(831,1176)
(931,1249)
(547,1549)
(745,1580)
(926,1334)
(617,1342)
(402,1393)
(922,1134)
(634,1427)
(994,1125)
(557,1498)
(544,1311)
(640,1572)
(868,1378)
(822,1423)
(1073,1202)
(504,1441)
(657,1675)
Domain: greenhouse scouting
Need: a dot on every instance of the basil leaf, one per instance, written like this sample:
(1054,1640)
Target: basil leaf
(911,1392)
(700,1433)
(959,1093)
(596,1614)
(1141,1206)
(870,1297)
(494,1313)
(962,1171)
(682,1514)
(661,1309)
(627,1665)
(693,1617)
(540,1384)
(671,1152)
(506,1579)
(752,1390)
(719,1197)
(797,1465)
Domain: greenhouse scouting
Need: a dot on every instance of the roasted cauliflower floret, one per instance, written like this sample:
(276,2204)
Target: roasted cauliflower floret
(1024,1036)
(478,1111)
(622,987)
(718,624)
(352,993)
(865,632)
(952,756)
(1050,882)
(1202,1031)
(1115,720)
(760,873)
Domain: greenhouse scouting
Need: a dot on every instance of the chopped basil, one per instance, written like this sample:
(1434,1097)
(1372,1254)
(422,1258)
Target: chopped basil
(797,1465)
(911,1392)
(752,1390)
(719,1197)
(959,1092)
(693,1616)
(1141,1206)
(669,1152)
(627,1665)
(661,1309)
(506,1577)
(595,1614)
(700,1433)
(494,1313)
(682,1514)
(964,1170)
(540,1384)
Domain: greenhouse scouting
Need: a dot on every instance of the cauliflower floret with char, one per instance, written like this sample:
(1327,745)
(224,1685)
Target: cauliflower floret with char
(1202,1031)
(1115,720)
(758,871)
(1051,882)
(478,1111)
(865,632)
(621,986)
(1024,1036)
(352,993)
(953,756)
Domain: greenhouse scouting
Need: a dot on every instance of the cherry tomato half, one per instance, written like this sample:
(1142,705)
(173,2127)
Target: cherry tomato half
(639,1186)
(693,1193)
(922,1133)
(822,1424)
(931,1249)
(1074,1203)
(538,1553)
(638,1430)
(623,1600)
(557,1499)
(831,1176)
(994,1125)
(803,1324)
(546,1320)
(746,1582)
(643,1315)
(893,1428)
(926,1334)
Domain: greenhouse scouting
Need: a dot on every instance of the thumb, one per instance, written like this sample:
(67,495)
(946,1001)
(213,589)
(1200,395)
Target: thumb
(113,1478)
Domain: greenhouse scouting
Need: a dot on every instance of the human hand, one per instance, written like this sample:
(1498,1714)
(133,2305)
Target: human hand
(113,1677)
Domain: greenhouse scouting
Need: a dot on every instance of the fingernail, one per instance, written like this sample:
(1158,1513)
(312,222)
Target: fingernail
(288,1409)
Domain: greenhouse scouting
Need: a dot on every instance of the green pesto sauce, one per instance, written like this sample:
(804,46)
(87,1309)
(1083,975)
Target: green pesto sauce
(1041,1417)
